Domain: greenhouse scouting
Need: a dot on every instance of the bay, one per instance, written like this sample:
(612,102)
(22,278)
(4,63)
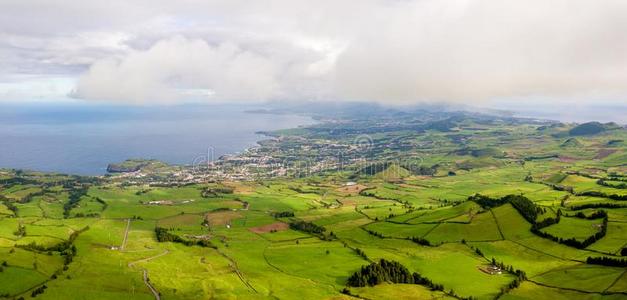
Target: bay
(84,138)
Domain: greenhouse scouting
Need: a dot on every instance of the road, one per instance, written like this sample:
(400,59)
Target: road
(152,289)
(128,226)
(148,258)
(145,272)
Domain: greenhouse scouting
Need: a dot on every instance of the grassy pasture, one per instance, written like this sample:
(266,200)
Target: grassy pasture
(30,209)
(326,262)
(194,272)
(284,235)
(614,240)
(620,285)
(456,267)
(16,280)
(570,227)
(401,230)
(4,210)
(398,291)
(522,258)
(252,262)
(401,194)
(482,228)
(86,206)
(337,216)
(511,223)
(8,226)
(52,207)
(18,192)
(460,213)
(530,290)
(585,184)
(382,212)
(581,277)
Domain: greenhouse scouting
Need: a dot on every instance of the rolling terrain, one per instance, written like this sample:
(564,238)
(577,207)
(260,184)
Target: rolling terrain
(450,208)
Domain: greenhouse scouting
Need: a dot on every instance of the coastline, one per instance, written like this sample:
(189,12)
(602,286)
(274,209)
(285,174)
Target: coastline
(83,141)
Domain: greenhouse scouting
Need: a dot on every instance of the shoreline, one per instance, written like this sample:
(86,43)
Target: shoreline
(261,136)
(85,147)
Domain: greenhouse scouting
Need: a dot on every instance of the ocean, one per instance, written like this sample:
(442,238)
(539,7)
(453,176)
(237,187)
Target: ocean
(84,138)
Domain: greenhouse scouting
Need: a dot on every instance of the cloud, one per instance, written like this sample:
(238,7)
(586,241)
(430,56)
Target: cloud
(480,50)
(34,89)
(390,51)
(178,69)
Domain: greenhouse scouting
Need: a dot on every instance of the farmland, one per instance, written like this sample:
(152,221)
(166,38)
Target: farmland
(544,208)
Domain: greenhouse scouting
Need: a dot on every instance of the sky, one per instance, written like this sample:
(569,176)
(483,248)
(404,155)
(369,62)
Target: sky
(398,52)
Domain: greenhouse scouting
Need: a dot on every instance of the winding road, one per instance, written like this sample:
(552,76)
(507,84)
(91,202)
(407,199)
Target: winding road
(131,264)
(152,289)
(145,272)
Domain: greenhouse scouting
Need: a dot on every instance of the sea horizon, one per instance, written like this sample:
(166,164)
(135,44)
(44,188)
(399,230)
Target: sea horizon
(82,139)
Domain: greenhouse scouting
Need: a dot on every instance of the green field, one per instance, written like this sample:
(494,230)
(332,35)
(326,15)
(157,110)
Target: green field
(304,237)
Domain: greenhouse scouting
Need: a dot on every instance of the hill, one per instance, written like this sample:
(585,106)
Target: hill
(571,143)
(591,128)
(133,165)
(393,172)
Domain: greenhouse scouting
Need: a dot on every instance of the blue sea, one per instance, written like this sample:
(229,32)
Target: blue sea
(84,138)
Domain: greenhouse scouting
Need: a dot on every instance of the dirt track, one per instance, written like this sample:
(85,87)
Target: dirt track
(148,258)
(152,289)
(145,272)
(128,226)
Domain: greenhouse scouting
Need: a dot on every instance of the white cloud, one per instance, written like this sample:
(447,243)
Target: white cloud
(480,50)
(32,88)
(163,73)
(391,51)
